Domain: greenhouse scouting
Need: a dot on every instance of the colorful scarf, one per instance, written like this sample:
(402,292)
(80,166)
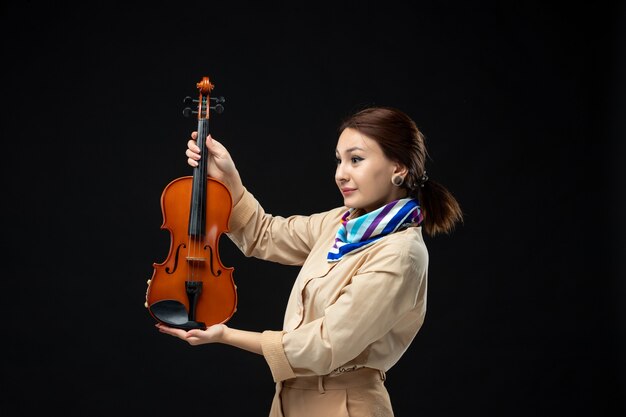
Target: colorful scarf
(356,234)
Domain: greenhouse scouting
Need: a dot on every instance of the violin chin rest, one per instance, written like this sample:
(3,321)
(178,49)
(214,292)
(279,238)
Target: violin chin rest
(173,313)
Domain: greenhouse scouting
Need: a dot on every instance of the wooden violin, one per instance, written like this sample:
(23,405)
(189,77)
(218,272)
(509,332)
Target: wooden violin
(191,289)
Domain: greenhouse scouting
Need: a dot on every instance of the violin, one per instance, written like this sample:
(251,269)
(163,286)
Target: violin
(191,289)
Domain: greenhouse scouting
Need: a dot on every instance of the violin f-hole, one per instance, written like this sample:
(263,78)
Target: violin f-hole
(213,271)
(171,271)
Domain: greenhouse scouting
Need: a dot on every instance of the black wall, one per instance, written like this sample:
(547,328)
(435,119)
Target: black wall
(523,110)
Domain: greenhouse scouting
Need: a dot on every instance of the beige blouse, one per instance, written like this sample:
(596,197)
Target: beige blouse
(362,311)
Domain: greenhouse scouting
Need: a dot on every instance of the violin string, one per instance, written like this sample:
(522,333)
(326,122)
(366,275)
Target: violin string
(203,195)
(203,132)
(192,252)
(205,181)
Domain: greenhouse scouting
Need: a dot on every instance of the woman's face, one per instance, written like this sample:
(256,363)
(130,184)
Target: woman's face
(364,173)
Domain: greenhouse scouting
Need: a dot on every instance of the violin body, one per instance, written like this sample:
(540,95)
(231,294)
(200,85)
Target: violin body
(191,289)
(190,258)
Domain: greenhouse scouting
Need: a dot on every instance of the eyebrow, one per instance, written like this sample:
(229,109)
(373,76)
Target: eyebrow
(354,148)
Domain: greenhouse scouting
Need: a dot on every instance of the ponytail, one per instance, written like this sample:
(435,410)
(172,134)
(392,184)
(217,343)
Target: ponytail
(441,210)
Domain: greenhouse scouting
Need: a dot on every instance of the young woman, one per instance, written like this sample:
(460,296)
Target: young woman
(360,296)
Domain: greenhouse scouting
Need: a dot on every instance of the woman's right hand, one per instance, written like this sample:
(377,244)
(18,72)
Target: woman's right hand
(220,166)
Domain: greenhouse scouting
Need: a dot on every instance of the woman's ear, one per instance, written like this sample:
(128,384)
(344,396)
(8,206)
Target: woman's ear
(400,169)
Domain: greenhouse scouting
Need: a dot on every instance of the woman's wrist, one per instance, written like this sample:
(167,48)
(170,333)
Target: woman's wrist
(224,334)
(237,192)
(243,339)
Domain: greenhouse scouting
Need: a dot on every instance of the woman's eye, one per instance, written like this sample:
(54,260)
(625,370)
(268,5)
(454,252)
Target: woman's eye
(353,159)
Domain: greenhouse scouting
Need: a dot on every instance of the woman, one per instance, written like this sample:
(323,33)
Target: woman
(360,296)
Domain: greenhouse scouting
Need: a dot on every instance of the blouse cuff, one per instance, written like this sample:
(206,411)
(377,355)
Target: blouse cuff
(272,347)
(242,212)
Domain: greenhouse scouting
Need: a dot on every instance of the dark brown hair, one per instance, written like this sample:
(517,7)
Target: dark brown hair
(401,141)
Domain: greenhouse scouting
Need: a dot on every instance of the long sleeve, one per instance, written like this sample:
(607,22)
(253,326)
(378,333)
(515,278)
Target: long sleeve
(286,240)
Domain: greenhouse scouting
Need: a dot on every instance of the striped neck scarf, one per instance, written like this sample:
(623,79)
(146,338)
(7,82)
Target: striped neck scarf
(356,234)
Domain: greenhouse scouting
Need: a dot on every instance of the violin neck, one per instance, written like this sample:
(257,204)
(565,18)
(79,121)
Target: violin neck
(197,212)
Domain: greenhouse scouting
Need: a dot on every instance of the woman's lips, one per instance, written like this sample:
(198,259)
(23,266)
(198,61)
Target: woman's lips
(347,191)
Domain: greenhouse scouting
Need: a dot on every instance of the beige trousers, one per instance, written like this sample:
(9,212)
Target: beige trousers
(359,393)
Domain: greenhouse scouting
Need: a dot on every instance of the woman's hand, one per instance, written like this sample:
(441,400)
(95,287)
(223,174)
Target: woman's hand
(218,333)
(213,334)
(220,166)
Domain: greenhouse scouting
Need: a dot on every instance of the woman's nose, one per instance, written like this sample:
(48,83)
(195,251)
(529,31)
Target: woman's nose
(340,174)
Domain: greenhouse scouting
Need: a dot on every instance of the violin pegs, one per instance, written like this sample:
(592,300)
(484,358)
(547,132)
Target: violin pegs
(187,111)
(187,101)
(218,108)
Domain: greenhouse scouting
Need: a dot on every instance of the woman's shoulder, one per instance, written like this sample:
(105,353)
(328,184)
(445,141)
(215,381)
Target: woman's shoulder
(403,253)
(406,244)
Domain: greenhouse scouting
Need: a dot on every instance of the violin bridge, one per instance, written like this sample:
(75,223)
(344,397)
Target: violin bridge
(195,259)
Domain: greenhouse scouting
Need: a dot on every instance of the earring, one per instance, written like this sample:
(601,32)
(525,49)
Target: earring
(397,180)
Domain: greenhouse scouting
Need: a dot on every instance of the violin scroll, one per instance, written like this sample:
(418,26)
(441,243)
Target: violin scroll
(205,87)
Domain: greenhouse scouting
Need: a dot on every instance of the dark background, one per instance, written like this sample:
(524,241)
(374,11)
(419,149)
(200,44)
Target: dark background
(522,105)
